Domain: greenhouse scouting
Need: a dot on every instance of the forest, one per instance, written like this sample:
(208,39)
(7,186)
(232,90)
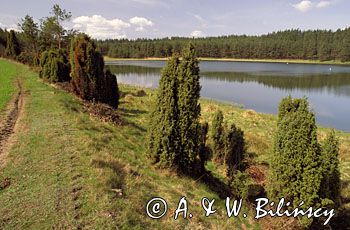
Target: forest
(322,45)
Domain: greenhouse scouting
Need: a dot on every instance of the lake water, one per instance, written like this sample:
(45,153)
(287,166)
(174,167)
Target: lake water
(260,86)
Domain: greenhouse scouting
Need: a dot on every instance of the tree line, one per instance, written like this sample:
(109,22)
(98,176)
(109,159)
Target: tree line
(323,45)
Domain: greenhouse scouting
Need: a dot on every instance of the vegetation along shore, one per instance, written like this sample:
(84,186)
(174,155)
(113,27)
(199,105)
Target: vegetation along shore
(80,151)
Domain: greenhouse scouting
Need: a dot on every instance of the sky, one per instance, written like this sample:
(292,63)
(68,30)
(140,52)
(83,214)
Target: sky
(132,19)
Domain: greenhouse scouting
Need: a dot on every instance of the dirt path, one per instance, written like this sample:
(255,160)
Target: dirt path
(8,126)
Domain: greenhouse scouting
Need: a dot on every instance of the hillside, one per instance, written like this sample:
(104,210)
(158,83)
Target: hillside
(66,169)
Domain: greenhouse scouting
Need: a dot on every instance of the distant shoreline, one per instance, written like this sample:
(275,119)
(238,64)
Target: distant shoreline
(293,61)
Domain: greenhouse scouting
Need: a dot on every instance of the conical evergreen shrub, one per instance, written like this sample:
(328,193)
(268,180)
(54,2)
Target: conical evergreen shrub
(234,150)
(330,185)
(189,109)
(175,131)
(296,161)
(12,45)
(54,66)
(164,143)
(87,71)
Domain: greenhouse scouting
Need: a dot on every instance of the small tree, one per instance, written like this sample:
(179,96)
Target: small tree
(218,136)
(86,68)
(235,150)
(204,150)
(189,109)
(87,71)
(12,45)
(52,33)
(30,34)
(175,131)
(60,16)
(54,66)
(295,166)
(3,36)
(330,184)
(164,144)
(111,90)
(239,184)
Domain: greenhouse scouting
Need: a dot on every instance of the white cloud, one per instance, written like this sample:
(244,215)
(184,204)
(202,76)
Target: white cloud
(10,27)
(99,27)
(307,5)
(141,23)
(197,34)
(304,6)
(323,4)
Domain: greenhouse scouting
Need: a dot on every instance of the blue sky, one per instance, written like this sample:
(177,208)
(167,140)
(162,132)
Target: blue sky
(156,18)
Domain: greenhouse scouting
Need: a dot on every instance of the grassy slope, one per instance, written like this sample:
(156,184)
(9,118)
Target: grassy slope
(7,75)
(106,58)
(65,164)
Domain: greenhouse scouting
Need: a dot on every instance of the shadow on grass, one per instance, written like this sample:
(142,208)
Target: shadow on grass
(131,112)
(136,126)
(216,185)
(117,180)
(71,105)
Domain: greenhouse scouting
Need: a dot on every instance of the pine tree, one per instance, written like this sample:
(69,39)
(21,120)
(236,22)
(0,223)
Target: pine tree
(189,109)
(235,150)
(164,144)
(3,36)
(330,185)
(30,54)
(12,45)
(345,49)
(218,136)
(295,166)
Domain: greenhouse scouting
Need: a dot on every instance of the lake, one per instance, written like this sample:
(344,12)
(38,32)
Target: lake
(260,86)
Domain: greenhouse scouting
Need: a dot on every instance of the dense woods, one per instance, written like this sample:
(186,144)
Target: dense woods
(320,45)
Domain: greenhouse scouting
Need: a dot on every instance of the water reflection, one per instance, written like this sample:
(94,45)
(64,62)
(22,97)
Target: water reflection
(262,86)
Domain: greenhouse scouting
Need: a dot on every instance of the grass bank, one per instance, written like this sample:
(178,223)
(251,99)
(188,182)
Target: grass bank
(7,86)
(68,170)
(295,61)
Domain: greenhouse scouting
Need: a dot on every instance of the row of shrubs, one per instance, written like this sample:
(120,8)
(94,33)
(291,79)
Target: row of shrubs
(301,168)
(84,68)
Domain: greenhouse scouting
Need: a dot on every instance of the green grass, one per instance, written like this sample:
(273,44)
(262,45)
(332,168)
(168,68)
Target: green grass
(7,77)
(65,164)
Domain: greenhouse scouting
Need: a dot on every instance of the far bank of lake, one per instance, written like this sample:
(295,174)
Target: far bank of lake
(259,85)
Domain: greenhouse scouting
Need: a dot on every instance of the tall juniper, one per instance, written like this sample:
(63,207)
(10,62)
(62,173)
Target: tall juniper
(175,131)
(189,108)
(164,145)
(295,166)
